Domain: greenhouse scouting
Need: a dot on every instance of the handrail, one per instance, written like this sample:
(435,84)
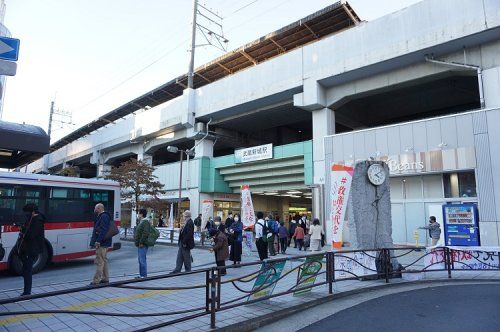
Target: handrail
(335,266)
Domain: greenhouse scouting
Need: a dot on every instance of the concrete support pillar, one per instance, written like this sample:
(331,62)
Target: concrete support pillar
(103,170)
(144,157)
(491,86)
(323,125)
(204,148)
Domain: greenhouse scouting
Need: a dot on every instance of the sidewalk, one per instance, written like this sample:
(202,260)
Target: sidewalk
(127,301)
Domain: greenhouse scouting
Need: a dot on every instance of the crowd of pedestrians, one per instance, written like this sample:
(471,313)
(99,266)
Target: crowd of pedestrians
(270,234)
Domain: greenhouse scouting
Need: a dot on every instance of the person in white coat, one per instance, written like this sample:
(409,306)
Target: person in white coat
(316,231)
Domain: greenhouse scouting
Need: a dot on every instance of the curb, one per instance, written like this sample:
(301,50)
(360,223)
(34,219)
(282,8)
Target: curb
(258,322)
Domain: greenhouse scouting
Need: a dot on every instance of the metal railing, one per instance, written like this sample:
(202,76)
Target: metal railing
(167,235)
(312,271)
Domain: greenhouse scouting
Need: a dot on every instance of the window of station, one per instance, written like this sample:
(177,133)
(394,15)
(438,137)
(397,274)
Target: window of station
(223,208)
(461,184)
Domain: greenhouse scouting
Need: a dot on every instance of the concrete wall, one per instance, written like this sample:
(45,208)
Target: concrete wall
(476,130)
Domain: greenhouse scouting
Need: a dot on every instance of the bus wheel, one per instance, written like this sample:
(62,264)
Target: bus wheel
(16,266)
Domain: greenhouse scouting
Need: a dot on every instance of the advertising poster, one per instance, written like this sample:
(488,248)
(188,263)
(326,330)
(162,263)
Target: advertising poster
(270,273)
(339,192)
(307,274)
(207,210)
(247,211)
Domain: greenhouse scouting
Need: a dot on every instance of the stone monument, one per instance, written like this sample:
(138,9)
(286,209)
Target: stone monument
(369,208)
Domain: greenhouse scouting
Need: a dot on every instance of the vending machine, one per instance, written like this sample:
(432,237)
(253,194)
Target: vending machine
(461,224)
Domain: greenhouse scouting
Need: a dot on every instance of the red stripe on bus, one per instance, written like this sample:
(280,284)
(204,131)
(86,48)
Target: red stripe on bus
(4,266)
(81,254)
(49,226)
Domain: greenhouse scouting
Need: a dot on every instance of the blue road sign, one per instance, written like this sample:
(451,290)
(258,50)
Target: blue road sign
(9,48)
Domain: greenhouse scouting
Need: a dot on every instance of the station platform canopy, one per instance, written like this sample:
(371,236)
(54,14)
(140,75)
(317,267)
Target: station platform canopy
(21,144)
(323,23)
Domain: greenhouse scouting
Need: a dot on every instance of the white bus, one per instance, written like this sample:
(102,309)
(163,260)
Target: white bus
(68,205)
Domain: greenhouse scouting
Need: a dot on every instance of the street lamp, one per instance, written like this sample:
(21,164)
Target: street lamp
(174,149)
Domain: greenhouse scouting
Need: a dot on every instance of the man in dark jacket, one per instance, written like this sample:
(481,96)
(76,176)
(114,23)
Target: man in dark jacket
(197,223)
(186,243)
(101,244)
(31,243)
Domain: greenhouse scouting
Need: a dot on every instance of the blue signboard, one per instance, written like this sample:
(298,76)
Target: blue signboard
(461,225)
(9,48)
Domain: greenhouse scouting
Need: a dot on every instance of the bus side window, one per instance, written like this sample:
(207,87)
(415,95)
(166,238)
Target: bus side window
(7,204)
(105,197)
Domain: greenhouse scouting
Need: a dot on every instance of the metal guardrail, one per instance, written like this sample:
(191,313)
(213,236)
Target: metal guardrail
(335,267)
(167,235)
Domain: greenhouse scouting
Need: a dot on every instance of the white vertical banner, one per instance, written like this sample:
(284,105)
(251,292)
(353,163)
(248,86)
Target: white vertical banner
(247,211)
(207,211)
(341,179)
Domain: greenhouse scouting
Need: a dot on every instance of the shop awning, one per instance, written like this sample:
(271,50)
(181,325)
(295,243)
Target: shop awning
(21,144)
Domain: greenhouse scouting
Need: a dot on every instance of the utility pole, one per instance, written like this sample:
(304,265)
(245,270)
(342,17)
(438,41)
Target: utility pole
(64,118)
(214,37)
(50,117)
(193,45)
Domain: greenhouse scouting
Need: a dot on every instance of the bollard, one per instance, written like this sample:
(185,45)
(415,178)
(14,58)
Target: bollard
(212,298)
(207,291)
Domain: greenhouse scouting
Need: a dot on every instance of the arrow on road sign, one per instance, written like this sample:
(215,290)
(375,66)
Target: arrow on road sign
(9,48)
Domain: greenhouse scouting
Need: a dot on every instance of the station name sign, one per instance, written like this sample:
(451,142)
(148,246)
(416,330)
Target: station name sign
(256,153)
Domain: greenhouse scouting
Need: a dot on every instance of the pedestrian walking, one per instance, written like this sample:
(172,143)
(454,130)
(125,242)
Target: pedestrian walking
(210,224)
(236,232)
(283,236)
(261,236)
(299,237)
(316,231)
(273,231)
(30,243)
(197,223)
(220,247)
(186,244)
(141,237)
(291,232)
(161,221)
(434,230)
(101,242)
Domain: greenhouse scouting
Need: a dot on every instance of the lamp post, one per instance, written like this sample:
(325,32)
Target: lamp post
(174,149)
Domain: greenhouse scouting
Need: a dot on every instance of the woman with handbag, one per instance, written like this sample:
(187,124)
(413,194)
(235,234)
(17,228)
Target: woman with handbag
(30,243)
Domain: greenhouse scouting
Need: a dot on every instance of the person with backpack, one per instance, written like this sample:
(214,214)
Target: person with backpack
(261,236)
(101,241)
(30,243)
(141,236)
(273,231)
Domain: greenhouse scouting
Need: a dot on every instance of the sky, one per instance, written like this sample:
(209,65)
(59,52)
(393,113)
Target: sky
(91,56)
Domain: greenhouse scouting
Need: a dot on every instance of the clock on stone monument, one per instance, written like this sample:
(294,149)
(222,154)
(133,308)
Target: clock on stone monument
(376,174)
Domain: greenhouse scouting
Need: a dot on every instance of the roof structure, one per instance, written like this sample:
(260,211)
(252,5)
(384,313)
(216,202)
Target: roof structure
(21,144)
(330,20)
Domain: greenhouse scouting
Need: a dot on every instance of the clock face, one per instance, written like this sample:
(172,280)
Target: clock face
(376,174)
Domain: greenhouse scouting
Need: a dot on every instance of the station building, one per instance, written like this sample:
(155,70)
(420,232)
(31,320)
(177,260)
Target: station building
(419,88)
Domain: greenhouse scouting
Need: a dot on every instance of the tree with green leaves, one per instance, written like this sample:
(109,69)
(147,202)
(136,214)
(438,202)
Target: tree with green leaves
(137,182)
